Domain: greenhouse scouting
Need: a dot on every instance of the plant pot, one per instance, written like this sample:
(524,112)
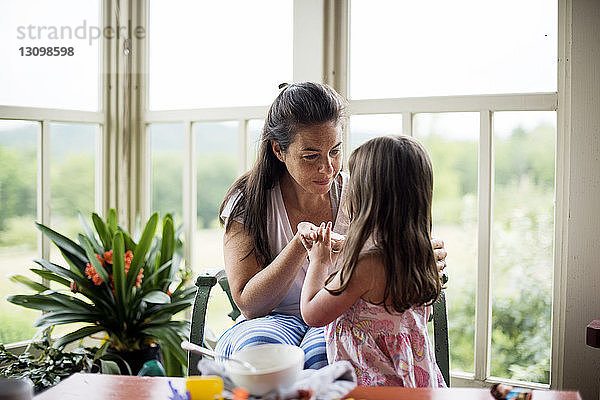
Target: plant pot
(136,359)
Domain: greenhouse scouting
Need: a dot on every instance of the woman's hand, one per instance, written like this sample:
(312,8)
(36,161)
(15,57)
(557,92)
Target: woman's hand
(440,253)
(308,234)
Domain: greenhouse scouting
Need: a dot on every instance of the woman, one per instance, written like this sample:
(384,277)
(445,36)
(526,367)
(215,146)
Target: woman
(296,178)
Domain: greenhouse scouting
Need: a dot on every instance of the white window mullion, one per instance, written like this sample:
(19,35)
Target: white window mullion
(243,158)
(308,47)
(482,294)
(99,171)
(189,192)
(407,128)
(43,187)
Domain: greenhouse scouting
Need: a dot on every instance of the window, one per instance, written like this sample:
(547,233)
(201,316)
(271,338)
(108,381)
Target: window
(489,150)
(522,243)
(451,140)
(166,143)
(365,127)
(441,48)
(18,236)
(187,37)
(482,99)
(51,127)
(67,29)
(220,105)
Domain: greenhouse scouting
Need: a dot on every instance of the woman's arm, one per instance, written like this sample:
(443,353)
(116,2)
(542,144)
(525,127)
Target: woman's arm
(255,290)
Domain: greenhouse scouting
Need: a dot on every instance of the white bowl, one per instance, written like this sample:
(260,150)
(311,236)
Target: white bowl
(278,365)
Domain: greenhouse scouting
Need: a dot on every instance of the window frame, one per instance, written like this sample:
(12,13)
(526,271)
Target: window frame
(45,116)
(333,68)
(485,105)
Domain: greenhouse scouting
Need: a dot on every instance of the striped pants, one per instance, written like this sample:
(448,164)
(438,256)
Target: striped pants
(276,328)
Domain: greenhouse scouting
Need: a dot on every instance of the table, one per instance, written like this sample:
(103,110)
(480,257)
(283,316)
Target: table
(113,387)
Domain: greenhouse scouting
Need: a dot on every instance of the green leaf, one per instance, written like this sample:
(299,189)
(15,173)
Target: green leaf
(169,310)
(70,302)
(91,292)
(184,293)
(78,334)
(130,245)
(110,367)
(168,240)
(50,276)
(102,229)
(90,234)
(102,350)
(149,280)
(75,264)
(52,301)
(94,260)
(140,252)
(156,296)
(35,302)
(63,317)
(111,220)
(25,281)
(119,270)
(63,242)
(172,366)
(169,340)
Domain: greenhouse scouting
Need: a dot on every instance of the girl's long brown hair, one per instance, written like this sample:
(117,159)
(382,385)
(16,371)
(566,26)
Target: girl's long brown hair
(297,106)
(389,199)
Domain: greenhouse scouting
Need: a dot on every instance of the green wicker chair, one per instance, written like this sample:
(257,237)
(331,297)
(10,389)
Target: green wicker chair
(206,281)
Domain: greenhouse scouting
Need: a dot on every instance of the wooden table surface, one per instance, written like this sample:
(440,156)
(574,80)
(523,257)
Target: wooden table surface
(113,387)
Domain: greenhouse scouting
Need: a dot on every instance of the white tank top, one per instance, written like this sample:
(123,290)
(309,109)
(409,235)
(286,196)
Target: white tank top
(279,231)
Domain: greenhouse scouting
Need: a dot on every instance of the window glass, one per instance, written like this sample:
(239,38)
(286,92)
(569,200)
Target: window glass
(18,235)
(218,53)
(452,142)
(522,244)
(166,149)
(440,48)
(64,37)
(216,170)
(255,127)
(365,127)
(72,178)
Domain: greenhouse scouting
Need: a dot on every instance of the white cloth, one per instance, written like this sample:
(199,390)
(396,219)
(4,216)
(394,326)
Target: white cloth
(279,231)
(331,382)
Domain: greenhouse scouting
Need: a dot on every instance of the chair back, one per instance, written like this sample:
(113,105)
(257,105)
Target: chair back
(207,280)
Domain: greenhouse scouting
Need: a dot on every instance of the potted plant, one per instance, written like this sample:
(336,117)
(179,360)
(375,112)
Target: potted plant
(114,284)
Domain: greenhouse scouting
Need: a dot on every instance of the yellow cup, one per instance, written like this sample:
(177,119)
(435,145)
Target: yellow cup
(205,387)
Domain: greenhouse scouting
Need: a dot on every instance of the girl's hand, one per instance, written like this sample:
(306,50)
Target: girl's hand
(320,250)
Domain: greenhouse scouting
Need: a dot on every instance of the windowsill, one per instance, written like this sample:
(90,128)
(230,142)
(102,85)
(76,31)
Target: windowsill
(462,379)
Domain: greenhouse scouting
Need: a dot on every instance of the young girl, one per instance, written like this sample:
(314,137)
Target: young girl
(375,303)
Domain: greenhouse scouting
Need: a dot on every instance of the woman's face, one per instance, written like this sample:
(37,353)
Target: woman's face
(314,158)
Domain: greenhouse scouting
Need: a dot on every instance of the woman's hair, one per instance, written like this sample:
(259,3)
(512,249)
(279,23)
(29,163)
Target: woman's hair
(298,105)
(389,200)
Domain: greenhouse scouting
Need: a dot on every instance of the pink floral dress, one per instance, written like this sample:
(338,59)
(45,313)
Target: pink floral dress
(385,349)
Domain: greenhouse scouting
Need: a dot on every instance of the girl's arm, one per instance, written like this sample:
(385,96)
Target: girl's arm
(317,305)
(255,290)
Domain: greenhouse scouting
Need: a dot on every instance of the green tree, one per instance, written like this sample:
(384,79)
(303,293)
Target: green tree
(215,173)
(17,184)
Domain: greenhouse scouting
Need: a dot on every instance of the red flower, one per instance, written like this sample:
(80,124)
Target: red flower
(91,273)
(138,280)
